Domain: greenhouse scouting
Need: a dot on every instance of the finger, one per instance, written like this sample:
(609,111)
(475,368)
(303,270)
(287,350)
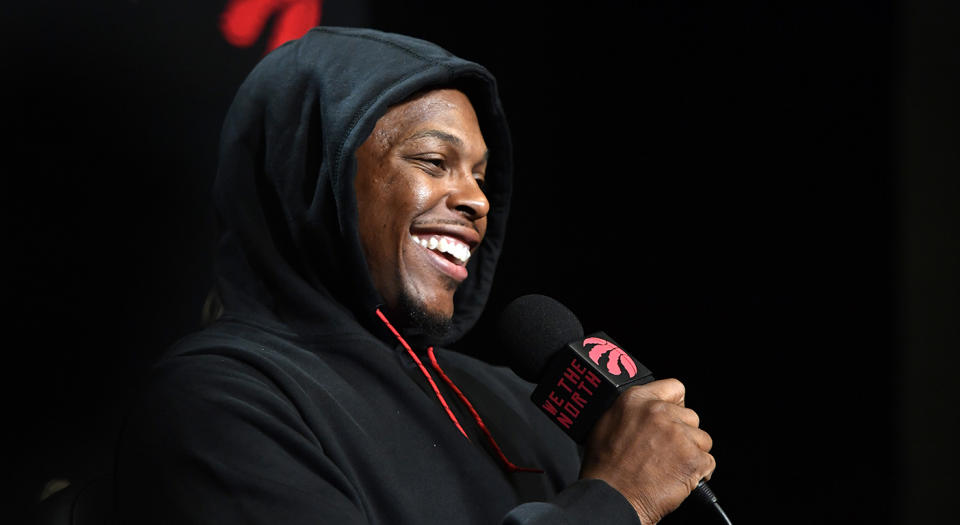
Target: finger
(669,390)
(685,415)
(711,466)
(703,440)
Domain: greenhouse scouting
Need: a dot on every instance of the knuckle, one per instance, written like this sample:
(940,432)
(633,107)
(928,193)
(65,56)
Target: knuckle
(674,385)
(670,430)
(635,394)
(660,414)
(708,440)
(709,465)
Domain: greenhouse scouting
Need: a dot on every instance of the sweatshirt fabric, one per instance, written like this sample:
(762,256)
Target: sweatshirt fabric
(300,404)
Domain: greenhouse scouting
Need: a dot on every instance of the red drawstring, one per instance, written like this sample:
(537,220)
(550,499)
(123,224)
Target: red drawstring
(463,398)
(476,416)
(426,374)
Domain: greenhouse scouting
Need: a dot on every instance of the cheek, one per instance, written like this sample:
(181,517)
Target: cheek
(392,198)
(374,218)
(397,201)
(420,195)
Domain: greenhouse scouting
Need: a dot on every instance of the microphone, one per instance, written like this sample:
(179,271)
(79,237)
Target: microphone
(577,377)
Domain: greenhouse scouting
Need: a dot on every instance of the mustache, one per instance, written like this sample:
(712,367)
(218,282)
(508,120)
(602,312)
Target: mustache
(425,223)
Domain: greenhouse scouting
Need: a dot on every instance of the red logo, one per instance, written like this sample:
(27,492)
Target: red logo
(242,21)
(615,356)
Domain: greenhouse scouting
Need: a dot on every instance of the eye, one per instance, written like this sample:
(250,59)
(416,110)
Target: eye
(432,165)
(481,183)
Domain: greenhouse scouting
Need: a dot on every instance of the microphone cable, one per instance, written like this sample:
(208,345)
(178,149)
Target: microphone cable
(706,495)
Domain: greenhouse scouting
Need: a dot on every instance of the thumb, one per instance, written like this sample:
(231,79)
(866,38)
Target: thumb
(669,390)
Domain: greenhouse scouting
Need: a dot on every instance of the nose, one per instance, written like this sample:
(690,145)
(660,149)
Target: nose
(467,198)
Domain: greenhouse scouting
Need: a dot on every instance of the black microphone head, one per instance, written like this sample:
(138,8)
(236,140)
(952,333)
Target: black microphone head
(531,329)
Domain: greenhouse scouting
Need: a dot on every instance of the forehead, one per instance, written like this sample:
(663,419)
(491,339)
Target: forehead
(444,109)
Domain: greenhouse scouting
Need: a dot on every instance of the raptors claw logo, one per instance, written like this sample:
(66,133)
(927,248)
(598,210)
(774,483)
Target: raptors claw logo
(615,356)
(242,21)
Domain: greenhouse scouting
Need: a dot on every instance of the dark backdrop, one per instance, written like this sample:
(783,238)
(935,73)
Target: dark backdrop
(757,198)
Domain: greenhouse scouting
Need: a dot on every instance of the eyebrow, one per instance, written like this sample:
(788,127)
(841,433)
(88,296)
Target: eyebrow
(437,134)
(446,137)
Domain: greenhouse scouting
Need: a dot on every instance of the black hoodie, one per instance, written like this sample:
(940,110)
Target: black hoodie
(300,404)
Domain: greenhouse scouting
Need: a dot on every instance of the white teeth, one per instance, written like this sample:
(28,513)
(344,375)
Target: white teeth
(446,245)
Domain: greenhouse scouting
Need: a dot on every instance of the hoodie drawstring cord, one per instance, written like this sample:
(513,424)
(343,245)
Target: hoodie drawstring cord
(426,374)
(476,417)
(463,398)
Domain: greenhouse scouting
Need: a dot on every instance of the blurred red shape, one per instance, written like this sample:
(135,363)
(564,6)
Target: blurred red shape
(242,21)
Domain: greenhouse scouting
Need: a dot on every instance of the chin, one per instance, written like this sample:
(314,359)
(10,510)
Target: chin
(432,319)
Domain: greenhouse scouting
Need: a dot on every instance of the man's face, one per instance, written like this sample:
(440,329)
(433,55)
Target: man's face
(421,208)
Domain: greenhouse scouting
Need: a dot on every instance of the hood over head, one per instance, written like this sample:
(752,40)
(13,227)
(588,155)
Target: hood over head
(289,253)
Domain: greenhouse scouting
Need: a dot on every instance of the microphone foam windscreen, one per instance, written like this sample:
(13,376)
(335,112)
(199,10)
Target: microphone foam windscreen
(531,329)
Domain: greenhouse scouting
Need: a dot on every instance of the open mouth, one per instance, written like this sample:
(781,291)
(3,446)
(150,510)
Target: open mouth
(450,248)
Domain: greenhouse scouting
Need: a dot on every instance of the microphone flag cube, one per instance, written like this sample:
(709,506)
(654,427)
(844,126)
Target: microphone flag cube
(583,379)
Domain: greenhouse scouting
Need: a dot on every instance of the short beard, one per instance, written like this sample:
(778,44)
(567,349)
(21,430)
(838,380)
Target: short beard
(432,325)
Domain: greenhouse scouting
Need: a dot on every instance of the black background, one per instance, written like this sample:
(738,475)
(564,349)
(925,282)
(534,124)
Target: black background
(758,198)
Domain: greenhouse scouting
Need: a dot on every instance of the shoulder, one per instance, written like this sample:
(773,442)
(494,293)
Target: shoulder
(237,354)
(240,370)
(219,374)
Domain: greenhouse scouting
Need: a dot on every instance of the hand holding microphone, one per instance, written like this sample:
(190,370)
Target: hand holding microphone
(650,448)
(639,437)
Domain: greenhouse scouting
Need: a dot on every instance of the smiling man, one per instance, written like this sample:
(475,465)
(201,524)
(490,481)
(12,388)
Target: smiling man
(362,192)
(422,211)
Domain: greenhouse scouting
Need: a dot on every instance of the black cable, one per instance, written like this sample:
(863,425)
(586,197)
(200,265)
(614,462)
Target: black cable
(706,495)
